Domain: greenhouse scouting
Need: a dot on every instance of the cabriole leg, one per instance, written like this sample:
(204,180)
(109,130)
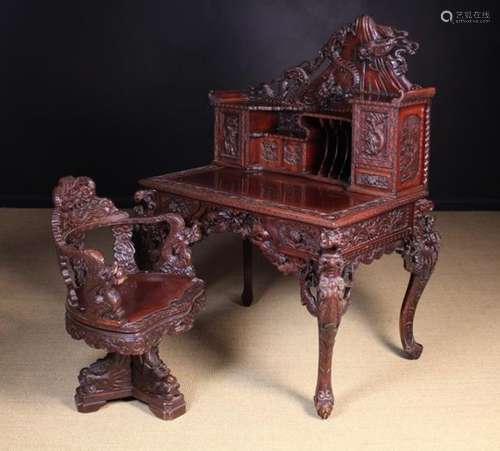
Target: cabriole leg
(420,253)
(329,307)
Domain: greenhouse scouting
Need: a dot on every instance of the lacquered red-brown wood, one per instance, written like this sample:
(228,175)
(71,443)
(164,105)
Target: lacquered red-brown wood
(120,308)
(322,168)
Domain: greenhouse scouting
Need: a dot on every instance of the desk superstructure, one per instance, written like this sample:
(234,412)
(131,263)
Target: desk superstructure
(322,168)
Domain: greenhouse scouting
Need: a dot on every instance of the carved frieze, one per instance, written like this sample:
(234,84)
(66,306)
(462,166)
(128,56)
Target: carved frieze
(409,146)
(363,232)
(183,206)
(298,236)
(373,180)
(252,227)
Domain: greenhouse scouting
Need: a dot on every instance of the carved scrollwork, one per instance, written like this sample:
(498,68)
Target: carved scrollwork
(175,249)
(384,49)
(129,343)
(123,248)
(331,276)
(88,279)
(336,82)
(331,282)
(76,203)
(420,250)
(145,202)
(252,227)
(361,57)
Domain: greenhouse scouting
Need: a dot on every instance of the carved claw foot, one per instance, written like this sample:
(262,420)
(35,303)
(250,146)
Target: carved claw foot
(323,401)
(154,384)
(106,379)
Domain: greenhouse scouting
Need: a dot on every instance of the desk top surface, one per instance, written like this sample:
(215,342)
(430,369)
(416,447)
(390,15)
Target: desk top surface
(281,195)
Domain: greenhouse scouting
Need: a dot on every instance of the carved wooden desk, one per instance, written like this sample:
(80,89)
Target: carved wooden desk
(321,169)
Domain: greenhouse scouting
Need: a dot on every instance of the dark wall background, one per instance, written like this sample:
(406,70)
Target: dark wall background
(117,90)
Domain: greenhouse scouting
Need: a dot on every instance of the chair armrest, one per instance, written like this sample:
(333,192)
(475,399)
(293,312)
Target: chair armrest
(174,251)
(122,220)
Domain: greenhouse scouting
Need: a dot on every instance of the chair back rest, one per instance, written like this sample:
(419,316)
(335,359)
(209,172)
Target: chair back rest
(76,209)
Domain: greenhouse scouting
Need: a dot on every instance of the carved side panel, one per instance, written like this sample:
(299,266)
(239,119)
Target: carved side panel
(409,148)
(372,138)
(230,133)
(374,143)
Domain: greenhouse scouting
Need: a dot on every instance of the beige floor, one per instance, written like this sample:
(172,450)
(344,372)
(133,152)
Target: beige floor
(248,374)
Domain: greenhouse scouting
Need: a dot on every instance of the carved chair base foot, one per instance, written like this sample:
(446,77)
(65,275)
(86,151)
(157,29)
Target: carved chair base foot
(89,403)
(324,405)
(145,378)
(413,351)
(105,379)
(88,406)
(162,408)
(155,385)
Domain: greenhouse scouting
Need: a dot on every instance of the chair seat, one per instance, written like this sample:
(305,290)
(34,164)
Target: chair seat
(148,299)
(145,293)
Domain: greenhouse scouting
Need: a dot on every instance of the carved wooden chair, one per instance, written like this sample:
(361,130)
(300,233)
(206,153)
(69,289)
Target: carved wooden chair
(120,308)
